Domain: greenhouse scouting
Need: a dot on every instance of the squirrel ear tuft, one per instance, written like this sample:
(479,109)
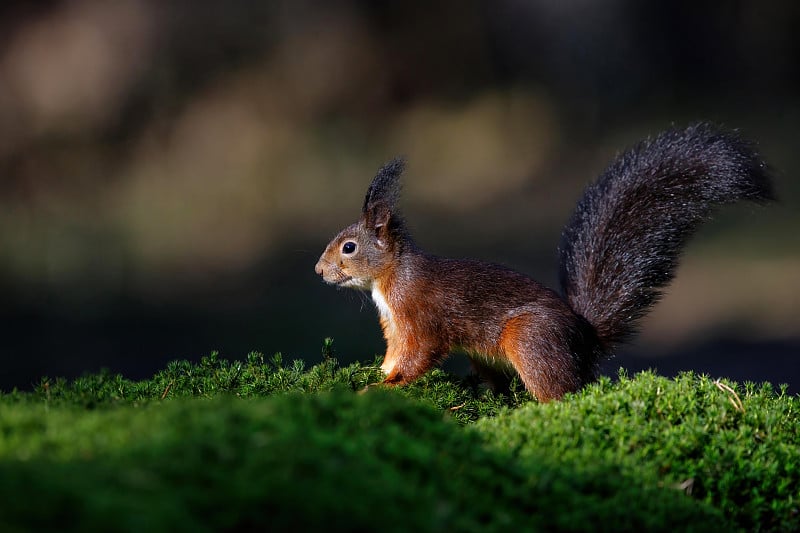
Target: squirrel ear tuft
(384,190)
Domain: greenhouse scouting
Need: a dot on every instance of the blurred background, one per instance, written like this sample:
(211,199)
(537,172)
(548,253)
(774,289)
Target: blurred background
(171,171)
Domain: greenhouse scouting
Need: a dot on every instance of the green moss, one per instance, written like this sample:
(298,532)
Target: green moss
(259,377)
(259,444)
(735,448)
(334,461)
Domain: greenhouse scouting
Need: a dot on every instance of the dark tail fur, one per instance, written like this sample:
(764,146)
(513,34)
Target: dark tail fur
(623,242)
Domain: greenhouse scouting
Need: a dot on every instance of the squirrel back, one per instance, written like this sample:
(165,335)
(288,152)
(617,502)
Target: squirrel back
(619,249)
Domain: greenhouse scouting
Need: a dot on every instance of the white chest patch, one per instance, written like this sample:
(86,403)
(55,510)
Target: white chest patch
(382,304)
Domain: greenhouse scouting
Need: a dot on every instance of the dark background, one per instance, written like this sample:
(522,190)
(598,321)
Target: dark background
(170,171)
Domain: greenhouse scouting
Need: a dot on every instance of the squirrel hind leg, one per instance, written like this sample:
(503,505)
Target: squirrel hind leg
(542,351)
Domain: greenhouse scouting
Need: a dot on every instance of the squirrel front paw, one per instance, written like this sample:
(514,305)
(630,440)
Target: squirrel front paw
(394,378)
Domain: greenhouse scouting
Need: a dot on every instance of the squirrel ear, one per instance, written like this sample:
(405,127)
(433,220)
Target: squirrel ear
(385,187)
(377,222)
(382,195)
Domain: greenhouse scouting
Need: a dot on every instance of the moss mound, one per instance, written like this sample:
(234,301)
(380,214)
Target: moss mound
(334,461)
(255,444)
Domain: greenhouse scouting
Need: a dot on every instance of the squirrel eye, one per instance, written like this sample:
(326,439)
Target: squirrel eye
(349,247)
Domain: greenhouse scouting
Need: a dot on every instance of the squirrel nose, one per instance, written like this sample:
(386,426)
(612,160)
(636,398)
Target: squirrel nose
(318,268)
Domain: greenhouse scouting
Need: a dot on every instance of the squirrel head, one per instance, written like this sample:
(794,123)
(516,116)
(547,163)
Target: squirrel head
(368,249)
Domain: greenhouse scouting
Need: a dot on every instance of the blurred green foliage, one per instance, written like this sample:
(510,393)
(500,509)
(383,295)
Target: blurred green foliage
(171,171)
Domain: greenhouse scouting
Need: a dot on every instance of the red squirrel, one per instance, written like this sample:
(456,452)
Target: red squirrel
(617,253)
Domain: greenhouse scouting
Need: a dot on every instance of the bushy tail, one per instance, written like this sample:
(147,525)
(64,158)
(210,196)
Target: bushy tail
(622,244)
